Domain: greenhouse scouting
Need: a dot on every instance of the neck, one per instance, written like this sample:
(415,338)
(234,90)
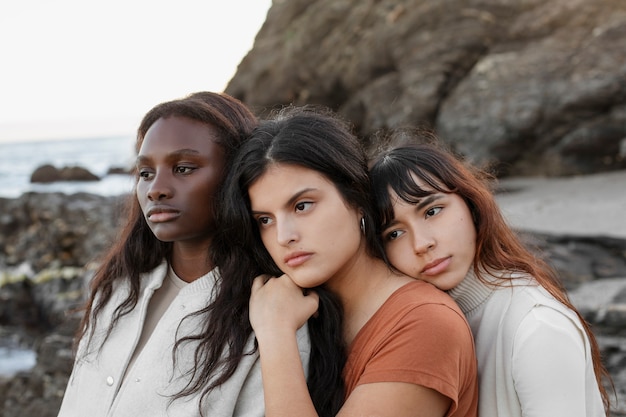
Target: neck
(191,262)
(362,289)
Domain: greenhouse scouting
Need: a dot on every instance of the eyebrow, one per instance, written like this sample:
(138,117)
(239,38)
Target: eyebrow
(420,205)
(289,202)
(176,153)
(428,200)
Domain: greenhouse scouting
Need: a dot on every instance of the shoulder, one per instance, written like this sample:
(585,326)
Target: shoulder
(551,320)
(418,336)
(419,308)
(522,299)
(150,279)
(421,292)
(530,309)
(422,296)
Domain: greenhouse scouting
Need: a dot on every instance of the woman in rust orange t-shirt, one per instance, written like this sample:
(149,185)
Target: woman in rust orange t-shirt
(302,177)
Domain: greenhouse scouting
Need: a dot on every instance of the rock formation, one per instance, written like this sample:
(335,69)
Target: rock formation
(533,87)
(48,243)
(48,173)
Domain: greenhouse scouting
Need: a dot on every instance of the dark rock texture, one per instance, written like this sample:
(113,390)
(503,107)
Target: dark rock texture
(55,229)
(48,246)
(529,86)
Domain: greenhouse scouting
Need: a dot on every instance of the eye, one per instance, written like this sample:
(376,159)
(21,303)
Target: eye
(144,174)
(264,221)
(180,169)
(303,206)
(393,235)
(433,211)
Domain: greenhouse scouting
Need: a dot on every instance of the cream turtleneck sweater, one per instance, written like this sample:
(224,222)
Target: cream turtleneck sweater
(534,357)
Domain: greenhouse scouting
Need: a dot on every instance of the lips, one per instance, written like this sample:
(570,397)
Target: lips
(162,214)
(436,267)
(297,258)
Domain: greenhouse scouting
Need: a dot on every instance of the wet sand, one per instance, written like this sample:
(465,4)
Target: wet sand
(590,205)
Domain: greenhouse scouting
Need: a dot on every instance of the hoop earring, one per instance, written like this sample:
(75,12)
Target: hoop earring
(363,225)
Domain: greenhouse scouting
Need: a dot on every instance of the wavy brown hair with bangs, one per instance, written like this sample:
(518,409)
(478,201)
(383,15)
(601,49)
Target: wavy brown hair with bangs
(405,153)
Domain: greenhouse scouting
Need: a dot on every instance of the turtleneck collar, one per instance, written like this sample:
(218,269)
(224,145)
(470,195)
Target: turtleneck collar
(470,293)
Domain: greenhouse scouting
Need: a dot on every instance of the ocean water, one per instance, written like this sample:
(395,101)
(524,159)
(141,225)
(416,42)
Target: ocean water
(18,160)
(15,354)
(16,359)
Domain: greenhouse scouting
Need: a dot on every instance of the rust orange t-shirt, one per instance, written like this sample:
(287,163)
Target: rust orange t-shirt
(418,336)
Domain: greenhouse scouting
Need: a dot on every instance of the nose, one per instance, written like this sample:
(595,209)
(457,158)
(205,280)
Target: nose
(286,232)
(159,188)
(423,243)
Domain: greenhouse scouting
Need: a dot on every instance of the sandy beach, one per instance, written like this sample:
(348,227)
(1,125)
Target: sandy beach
(590,205)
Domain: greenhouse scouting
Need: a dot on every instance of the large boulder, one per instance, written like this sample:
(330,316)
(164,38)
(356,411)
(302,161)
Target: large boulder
(48,173)
(529,86)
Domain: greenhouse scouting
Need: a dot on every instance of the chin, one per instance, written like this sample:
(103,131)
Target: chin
(439,285)
(164,237)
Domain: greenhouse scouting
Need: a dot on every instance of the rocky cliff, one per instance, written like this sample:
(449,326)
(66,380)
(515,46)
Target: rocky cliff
(529,86)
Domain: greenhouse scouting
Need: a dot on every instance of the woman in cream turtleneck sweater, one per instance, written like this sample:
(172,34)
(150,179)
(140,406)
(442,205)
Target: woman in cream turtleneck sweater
(440,223)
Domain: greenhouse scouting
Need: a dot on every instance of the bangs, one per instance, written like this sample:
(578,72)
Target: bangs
(408,190)
(400,177)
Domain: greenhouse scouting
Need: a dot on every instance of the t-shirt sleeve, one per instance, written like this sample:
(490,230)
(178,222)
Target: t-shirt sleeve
(549,365)
(430,345)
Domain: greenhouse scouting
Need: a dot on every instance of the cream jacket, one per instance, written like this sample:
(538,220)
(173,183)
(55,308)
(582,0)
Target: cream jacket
(97,387)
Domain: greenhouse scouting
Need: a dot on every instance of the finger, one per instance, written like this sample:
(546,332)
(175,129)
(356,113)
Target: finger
(312,299)
(308,292)
(311,302)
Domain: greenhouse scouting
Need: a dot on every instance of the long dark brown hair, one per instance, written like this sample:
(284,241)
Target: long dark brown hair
(222,340)
(317,139)
(498,246)
(137,250)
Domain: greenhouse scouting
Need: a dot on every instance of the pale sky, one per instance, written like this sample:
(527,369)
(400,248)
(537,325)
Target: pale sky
(78,68)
